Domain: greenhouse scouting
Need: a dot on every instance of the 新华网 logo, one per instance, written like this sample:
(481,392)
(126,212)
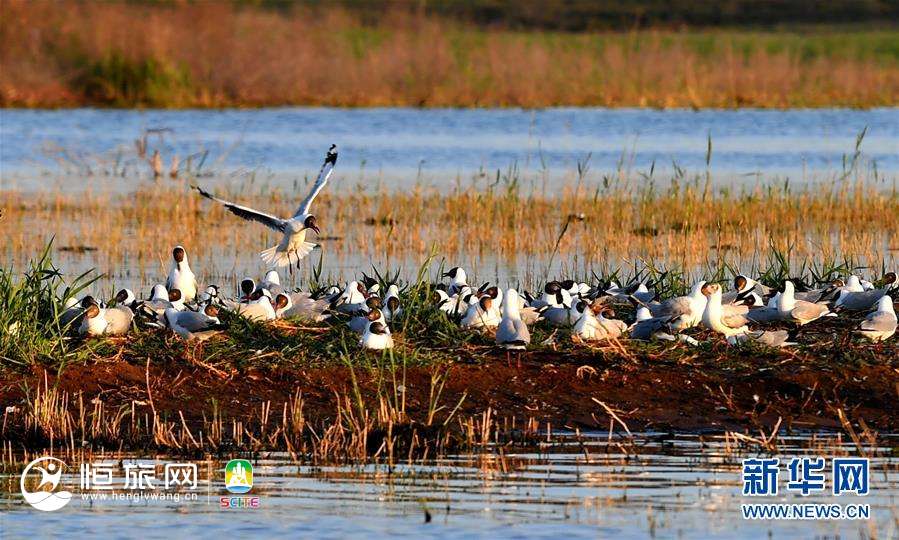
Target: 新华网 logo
(238,476)
(45,497)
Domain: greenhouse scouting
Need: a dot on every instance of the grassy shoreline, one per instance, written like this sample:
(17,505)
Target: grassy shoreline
(214,55)
(309,390)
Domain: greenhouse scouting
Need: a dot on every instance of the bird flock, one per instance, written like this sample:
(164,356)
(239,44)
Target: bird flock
(586,311)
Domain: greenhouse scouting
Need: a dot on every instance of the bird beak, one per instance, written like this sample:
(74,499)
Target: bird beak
(315,228)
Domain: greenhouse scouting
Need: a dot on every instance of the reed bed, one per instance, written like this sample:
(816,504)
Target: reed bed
(577,226)
(214,54)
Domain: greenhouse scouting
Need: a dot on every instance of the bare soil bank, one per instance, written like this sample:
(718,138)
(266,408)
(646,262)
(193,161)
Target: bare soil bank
(648,392)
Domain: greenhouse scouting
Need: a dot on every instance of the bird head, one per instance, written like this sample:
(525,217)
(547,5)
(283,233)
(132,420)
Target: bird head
(309,223)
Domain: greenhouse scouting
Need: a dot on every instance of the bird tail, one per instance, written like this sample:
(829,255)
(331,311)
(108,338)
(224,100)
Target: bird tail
(275,258)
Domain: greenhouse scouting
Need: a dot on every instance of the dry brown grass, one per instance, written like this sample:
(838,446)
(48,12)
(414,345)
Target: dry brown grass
(212,54)
(692,226)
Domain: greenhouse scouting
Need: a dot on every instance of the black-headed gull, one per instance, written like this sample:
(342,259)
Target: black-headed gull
(481,314)
(592,326)
(376,335)
(293,246)
(682,311)
(458,280)
(392,308)
(303,306)
(181,277)
(99,321)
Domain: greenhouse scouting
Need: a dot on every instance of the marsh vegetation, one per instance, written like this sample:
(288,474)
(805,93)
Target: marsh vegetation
(216,54)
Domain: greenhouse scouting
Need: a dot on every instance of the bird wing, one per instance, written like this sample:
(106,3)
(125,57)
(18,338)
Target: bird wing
(879,322)
(193,321)
(807,311)
(858,301)
(734,320)
(248,214)
(673,307)
(323,175)
(772,338)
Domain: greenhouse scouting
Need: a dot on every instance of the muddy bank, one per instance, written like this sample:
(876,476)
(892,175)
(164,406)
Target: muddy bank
(647,392)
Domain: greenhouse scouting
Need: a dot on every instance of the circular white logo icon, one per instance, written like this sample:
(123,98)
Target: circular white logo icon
(50,471)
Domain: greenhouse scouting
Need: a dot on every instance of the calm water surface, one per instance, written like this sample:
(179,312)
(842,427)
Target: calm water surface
(669,487)
(437,146)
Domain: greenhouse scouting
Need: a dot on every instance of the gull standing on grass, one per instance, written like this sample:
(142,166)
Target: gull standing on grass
(293,246)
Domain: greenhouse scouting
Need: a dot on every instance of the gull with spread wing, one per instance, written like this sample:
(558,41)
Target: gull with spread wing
(293,246)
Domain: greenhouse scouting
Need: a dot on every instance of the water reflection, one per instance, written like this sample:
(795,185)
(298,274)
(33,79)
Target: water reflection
(663,485)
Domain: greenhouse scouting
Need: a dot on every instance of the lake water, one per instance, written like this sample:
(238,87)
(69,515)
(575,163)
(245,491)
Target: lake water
(667,487)
(436,146)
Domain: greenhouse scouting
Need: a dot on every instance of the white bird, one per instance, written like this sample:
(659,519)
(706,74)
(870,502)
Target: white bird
(392,308)
(454,305)
(652,328)
(359,322)
(458,280)
(209,296)
(352,299)
(93,323)
(881,324)
(553,296)
(591,326)
(259,308)
(293,246)
(282,304)
(746,286)
(377,335)
(637,290)
(799,311)
(511,332)
(247,288)
(125,297)
(303,306)
(859,299)
(272,282)
(160,300)
(682,311)
(853,284)
(713,317)
(481,314)
(561,316)
(190,325)
(181,277)
(118,320)
(99,321)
